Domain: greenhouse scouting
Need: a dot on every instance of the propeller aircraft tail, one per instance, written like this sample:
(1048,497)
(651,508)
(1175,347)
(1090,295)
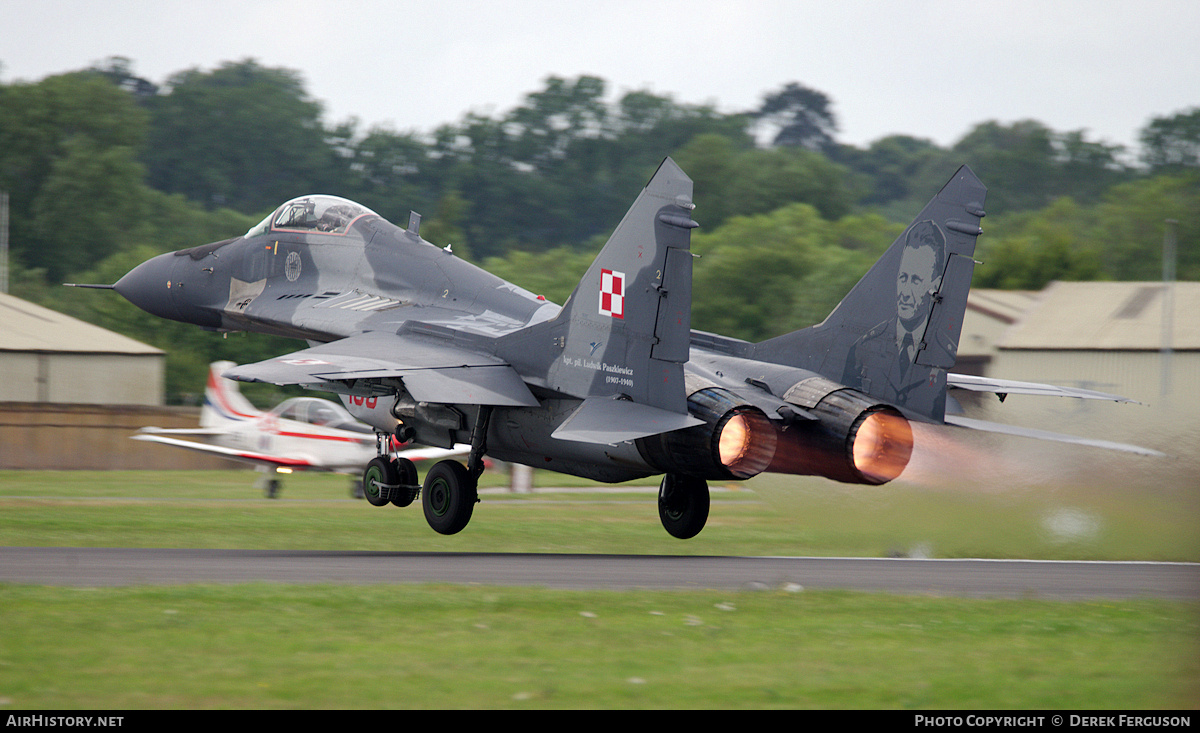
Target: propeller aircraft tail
(224,403)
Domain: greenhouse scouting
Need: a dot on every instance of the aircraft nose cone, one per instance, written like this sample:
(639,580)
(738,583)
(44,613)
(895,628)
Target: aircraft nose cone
(148,286)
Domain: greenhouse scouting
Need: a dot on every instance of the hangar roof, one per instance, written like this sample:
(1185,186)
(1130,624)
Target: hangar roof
(1006,306)
(989,315)
(27,327)
(1112,316)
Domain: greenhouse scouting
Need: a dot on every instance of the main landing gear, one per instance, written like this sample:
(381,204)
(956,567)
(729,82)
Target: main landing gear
(270,485)
(448,495)
(683,505)
(449,498)
(451,489)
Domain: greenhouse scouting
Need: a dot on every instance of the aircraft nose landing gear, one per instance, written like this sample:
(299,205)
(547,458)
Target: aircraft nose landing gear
(390,481)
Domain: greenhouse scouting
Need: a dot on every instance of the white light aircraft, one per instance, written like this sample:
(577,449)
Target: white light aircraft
(300,434)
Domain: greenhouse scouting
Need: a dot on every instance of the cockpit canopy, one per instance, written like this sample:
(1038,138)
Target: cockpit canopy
(316,411)
(312,213)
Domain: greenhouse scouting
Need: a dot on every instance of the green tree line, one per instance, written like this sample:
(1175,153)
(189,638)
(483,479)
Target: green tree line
(105,169)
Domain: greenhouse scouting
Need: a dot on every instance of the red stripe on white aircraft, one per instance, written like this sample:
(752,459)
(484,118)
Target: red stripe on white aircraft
(219,390)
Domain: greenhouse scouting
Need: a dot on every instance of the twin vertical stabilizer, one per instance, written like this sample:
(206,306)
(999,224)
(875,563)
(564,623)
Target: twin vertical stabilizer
(624,334)
(896,333)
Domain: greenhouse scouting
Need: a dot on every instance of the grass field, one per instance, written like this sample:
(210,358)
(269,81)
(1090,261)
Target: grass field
(769,515)
(271,646)
(327,646)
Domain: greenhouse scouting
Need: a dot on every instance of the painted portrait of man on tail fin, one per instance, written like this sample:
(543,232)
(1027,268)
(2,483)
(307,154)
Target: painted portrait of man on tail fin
(883,360)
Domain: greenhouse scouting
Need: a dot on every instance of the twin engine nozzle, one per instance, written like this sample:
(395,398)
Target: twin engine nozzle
(854,439)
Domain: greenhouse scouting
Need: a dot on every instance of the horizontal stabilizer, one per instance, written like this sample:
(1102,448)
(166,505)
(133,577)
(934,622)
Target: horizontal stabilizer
(609,421)
(1010,386)
(991,427)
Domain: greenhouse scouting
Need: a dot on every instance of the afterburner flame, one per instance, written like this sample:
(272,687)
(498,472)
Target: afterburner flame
(883,444)
(746,444)
(735,439)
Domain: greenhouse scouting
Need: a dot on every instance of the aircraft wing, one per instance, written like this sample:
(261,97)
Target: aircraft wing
(991,427)
(432,370)
(156,435)
(1005,387)
(199,432)
(252,457)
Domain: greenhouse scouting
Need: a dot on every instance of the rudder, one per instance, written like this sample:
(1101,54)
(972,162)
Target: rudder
(224,402)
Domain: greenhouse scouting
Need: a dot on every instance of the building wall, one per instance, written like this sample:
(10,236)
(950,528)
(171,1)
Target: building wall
(23,378)
(1168,418)
(94,437)
(80,378)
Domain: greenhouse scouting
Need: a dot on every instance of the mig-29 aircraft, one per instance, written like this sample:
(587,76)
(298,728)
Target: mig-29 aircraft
(614,384)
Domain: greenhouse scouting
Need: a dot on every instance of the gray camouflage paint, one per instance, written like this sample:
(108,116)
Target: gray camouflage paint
(405,331)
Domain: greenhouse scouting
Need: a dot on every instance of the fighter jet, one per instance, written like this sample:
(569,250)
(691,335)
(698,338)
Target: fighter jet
(299,434)
(614,384)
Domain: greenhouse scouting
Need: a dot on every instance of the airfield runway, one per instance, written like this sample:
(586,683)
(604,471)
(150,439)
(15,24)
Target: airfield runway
(978,578)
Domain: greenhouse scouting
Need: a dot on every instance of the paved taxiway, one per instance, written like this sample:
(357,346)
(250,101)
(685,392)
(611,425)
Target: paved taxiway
(982,578)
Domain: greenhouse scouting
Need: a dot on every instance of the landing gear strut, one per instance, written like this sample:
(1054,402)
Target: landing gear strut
(270,485)
(452,489)
(683,505)
(389,480)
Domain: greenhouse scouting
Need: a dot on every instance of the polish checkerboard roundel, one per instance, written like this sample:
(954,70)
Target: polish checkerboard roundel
(612,293)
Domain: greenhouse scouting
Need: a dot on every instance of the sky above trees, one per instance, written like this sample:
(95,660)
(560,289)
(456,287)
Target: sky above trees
(931,69)
(106,168)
